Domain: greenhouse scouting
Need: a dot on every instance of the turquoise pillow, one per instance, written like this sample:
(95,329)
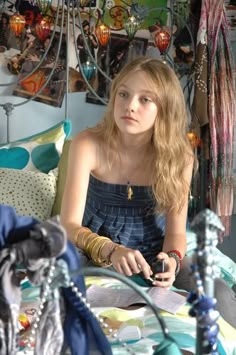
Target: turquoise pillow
(40,152)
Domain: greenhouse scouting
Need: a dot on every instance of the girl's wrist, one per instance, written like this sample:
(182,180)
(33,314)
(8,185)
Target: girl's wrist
(175,254)
(110,250)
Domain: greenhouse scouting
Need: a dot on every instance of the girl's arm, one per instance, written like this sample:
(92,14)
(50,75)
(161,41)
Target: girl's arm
(81,161)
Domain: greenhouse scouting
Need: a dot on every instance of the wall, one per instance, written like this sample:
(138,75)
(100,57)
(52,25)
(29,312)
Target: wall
(35,117)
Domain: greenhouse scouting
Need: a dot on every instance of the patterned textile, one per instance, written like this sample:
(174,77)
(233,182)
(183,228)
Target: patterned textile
(214,105)
(181,326)
(131,223)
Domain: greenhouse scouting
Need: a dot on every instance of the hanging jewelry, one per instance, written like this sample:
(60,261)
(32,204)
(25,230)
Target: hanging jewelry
(111,333)
(129,191)
(46,292)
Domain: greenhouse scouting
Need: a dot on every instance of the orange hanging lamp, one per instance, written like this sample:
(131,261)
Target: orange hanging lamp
(43,29)
(194,140)
(103,33)
(17,23)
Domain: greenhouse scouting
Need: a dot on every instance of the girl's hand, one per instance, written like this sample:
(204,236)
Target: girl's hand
(128,262)
(167,278)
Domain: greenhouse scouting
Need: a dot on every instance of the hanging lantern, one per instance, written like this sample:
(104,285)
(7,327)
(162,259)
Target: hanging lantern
(43,29)
(83,3)
(194,140)
(131,26)
(17,23)
(89,69)
(102,32)
(162,40)
(44,5)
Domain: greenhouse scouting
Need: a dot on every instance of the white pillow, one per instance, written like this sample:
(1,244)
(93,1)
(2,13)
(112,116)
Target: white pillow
(30,193)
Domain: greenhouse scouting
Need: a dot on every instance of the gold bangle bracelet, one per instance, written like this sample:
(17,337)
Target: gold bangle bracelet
(92,244)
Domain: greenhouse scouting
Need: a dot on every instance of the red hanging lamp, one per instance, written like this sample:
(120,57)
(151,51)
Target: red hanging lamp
(17,23)
(43,29)
(102,32)
(162,41)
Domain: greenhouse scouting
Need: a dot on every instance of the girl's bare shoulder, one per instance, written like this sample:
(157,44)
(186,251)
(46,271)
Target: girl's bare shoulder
(86,140)
(86,149)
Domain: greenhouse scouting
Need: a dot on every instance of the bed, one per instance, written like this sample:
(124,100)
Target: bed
(138,327)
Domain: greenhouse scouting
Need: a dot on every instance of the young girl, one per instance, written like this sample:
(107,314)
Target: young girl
(128,178)
(126,195)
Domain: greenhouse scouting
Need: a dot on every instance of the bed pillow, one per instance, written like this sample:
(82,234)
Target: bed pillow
(40,152)
(30,193)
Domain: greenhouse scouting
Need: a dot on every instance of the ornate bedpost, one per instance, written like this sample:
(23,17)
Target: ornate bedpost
(8,107)
(206,225)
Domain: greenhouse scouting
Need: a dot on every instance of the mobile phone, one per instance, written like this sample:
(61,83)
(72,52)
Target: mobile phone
(158,267)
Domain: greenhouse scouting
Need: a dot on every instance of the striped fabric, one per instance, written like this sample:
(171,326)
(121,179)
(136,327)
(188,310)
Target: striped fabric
(131,223)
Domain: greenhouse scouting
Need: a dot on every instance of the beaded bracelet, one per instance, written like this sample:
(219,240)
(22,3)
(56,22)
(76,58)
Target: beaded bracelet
(174,255)
(177,252)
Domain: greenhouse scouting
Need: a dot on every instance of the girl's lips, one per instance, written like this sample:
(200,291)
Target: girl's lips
(128,118)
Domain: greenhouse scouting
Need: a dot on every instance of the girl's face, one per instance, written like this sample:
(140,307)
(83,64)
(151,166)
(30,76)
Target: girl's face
(135,108)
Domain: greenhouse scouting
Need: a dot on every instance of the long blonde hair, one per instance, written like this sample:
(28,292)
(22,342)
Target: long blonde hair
(171,148)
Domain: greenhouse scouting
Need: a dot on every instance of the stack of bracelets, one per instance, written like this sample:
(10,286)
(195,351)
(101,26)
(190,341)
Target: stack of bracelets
(93,244)
(175,254)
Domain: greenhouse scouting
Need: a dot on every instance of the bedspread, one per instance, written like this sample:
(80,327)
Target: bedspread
(139,327)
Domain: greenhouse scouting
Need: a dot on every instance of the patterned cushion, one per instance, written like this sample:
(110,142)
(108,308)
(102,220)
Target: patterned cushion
(30,193)
(40,152)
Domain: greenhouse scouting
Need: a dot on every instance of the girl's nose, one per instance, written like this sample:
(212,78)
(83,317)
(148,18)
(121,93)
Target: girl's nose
(132,104)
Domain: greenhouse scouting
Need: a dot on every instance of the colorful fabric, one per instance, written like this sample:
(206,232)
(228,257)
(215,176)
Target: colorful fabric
(214,105)
(181,326)
(35,246)
(40,152)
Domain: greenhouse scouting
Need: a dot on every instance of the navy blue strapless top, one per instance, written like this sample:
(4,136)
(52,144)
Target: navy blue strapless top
(132,223)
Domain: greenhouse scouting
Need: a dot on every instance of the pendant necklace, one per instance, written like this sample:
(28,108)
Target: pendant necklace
(129,191)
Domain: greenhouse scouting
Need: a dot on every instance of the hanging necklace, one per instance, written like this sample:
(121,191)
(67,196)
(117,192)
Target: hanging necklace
(129,191)
(135,170)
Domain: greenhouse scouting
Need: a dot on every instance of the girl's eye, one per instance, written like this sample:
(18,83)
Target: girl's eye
(146,100)
(122,94)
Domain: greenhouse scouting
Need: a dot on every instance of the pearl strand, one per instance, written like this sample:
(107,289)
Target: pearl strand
(103,324)
(45,294)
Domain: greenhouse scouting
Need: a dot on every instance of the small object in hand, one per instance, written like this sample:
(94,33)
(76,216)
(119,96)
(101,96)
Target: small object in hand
(158,267)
